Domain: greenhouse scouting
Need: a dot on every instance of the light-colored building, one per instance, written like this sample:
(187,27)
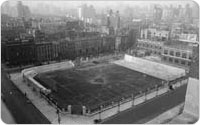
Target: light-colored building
(154,47)
(177,53)
(86,13)
(156,34)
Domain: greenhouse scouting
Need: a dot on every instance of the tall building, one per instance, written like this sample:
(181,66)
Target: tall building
(113,20)
(16,10)
(23,11)
(86,13)
(157,14)
(188,13)
(9,10)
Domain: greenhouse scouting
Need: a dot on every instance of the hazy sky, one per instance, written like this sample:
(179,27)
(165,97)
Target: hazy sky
(72,4)
(98,5)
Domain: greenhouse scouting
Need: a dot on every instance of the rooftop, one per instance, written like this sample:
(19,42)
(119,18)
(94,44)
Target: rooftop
(179,45)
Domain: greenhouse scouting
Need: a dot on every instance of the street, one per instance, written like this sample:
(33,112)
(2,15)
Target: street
(152,108)
(23,111)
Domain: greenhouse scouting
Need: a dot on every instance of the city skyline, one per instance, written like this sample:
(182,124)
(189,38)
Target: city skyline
(64,6)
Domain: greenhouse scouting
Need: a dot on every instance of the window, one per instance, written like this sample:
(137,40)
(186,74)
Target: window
(163,38)
(183,62)
(184,55)
(165,51)
(143,36)
(178,54)
(86,51)
(170,59)
(171,53)
(176,61)
(93,49)
(190,56)
(164,58)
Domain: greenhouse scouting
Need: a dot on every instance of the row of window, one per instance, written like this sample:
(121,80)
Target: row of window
(150,33)
(178,54)
(149,45)
(177,61)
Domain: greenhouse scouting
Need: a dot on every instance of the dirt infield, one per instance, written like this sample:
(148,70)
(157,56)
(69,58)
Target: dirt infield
(95,85)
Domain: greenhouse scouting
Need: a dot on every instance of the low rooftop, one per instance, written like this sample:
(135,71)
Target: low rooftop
(179,45)
(157,70)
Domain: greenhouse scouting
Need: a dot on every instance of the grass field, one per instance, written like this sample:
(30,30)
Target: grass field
(97,85)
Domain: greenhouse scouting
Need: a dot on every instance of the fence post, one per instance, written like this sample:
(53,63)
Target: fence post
(100,111)
(69,109)
(118,105)
(88,111)
(58,113)
(156,90)
(145,95)
(132,96)
(84,110)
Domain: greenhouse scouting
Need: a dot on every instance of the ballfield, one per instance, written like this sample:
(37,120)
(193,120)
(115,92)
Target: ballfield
(96,90)
(95,86)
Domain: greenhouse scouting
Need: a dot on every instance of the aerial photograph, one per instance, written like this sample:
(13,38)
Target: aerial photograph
(99,62)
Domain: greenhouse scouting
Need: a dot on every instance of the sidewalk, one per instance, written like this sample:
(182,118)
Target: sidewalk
(6,116)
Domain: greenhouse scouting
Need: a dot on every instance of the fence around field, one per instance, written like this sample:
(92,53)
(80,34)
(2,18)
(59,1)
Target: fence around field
(132,100)
(50,67)
(104,112)
(113,106)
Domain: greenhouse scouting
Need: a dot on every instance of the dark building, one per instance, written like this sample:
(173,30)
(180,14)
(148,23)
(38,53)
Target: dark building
(44,52)
(194,68)
(28,50)
(113,22)
(19,53)
(39,36)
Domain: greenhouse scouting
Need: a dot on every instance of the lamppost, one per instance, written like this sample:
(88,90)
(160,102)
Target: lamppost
(58,113)
(100,112)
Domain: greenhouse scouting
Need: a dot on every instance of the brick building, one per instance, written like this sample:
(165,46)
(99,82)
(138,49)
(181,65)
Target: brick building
(30,52)
(19,53)
(44,52)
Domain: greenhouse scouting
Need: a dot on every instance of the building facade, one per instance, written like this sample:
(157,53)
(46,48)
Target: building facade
(19,53)
(153,47)
(30,52)
(177,56)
